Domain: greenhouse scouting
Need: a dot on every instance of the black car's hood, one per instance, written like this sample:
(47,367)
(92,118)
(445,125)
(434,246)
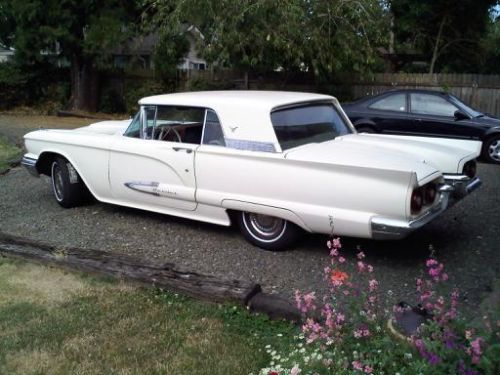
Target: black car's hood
(492,122)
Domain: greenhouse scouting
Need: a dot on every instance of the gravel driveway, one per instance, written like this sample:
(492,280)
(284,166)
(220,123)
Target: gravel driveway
(466,238)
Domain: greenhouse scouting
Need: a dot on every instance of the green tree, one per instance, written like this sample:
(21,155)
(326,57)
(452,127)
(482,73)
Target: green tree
(445,32)
(323,36)
(491,47)
(84,32)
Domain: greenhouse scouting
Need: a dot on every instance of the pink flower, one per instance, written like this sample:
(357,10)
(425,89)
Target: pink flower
(431,262)
(357,365)
(361,266)
(370,268)
(295,370)
(476,349)
(373,284)
(361,255)
(340,318)
(341,259)
(336,243)
(368,369)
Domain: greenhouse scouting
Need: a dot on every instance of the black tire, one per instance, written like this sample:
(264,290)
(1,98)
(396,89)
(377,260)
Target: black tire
(366,129)
(267,232)
(491,149)
(67,186)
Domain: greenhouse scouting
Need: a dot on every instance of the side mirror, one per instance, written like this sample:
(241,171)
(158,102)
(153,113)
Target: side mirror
(460,115)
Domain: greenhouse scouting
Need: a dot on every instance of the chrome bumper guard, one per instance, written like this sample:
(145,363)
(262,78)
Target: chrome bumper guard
(390,229)
(30,165)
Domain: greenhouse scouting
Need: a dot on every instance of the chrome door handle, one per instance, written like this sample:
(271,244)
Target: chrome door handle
(188,150)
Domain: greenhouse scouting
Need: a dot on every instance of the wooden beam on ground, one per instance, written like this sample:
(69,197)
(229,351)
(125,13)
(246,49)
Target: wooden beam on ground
(208,288)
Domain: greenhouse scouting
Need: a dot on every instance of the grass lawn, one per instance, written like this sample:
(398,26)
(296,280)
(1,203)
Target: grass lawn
(8,152)
(57,322)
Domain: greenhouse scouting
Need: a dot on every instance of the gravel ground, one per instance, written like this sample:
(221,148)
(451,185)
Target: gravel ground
(466,238)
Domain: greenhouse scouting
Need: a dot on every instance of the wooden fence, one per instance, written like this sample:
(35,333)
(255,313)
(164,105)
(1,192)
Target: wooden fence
(479,91)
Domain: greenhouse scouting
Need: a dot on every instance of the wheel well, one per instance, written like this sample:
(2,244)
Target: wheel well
(365,125)
(45,161)
(491,135)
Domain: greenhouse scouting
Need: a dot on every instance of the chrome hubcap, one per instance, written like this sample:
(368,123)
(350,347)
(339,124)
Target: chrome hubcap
(57,182)
(263,227)
(494,150)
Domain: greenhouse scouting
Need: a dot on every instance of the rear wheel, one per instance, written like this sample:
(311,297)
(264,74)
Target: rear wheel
(267,232)
(491,149)
(67,186)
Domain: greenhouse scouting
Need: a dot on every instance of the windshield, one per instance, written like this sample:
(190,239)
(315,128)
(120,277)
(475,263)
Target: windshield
(311,123)
(465,107)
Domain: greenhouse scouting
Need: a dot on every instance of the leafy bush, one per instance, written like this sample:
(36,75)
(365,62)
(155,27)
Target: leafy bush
(137,90)
(39,84)
(12,82)
(345,332)
(204,84)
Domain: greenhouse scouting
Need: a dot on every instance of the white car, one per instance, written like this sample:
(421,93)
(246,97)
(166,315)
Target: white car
(274,162)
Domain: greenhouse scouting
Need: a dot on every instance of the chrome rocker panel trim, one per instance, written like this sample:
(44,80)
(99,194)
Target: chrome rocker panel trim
(390,229)
(30,165)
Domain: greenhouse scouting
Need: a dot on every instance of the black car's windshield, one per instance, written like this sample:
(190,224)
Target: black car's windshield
(311,123)
(465,107)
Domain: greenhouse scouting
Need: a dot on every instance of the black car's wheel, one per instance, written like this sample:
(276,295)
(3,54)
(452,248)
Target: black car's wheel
(365,129)
(67,186)
(267,232)
(491,149)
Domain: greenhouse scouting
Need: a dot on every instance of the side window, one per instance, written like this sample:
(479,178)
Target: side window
(212,134)
(431,105)
(179,124)
(396,102)
(134,129)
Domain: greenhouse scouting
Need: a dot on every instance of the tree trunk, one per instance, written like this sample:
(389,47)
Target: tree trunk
(435,53)
(84,85)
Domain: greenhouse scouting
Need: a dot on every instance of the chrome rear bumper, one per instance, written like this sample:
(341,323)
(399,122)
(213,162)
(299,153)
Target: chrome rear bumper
(390,229)
(30,164)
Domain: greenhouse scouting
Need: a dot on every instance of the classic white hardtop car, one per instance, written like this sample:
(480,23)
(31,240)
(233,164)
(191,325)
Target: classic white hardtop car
(273,162)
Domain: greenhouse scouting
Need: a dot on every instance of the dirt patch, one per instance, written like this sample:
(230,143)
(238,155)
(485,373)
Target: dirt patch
(44,286)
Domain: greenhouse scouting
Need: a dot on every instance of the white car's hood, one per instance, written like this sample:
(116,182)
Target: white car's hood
(106,127)
(385,153)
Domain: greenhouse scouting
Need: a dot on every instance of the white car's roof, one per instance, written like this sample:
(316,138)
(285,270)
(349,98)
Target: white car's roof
(244,115)
(220,99)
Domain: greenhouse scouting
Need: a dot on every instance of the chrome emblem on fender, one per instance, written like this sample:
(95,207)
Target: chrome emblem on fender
(150,187)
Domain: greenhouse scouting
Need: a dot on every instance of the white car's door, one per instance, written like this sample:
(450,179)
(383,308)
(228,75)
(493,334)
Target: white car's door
(155,169)
(151,172)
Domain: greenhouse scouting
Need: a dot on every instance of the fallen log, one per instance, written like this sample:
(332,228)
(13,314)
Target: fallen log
(205,287)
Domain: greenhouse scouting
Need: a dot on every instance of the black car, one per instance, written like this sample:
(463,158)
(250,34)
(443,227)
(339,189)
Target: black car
(426,113)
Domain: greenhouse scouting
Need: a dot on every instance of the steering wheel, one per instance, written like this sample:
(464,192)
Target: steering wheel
(164,134)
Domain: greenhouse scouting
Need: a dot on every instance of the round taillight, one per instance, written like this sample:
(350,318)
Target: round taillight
(470,169)
(430,193)
(417,201)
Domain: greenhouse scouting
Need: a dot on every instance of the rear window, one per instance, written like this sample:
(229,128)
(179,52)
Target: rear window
(313,123)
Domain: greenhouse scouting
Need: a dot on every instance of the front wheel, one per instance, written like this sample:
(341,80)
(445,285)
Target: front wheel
(491,149)
(67,186)
(267,232)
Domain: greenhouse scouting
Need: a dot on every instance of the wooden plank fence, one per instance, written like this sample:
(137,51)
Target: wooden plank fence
(479,91)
